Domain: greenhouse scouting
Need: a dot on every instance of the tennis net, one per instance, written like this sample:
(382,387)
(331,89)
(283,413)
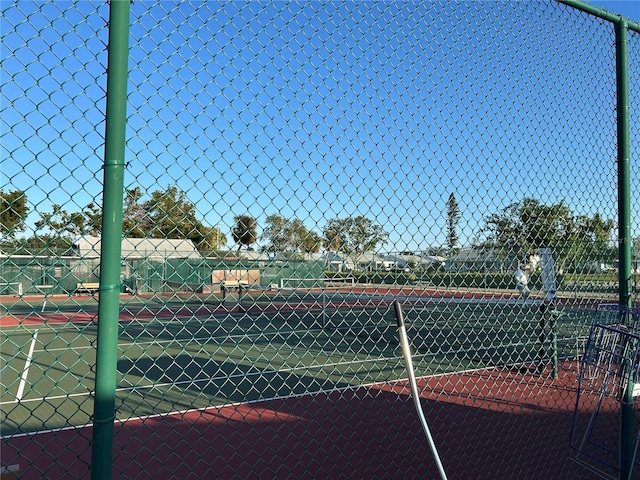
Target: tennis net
(499,330)
(480,331)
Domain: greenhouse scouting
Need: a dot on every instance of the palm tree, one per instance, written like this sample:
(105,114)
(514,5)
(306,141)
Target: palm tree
(245,230)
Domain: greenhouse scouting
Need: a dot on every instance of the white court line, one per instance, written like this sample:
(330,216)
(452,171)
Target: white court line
(248,402)
(291,369)
(27,364)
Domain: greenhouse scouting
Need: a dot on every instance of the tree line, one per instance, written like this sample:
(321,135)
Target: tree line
(575,239)
(517,230)
(169,214)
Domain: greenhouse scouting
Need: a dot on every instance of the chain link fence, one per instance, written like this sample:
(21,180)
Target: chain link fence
(292,170)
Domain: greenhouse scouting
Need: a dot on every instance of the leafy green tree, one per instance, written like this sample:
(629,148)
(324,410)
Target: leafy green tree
(93,220)
(245,230)
(309,241)
(289,236)
(545,225)
(522,227)
(134,219)
(591,243)
(453,217)
(13,212)
(277,234)
(214,239)
(332,237)
(45,244)
(64,223)
(354,235)
(61,222)
(168,214)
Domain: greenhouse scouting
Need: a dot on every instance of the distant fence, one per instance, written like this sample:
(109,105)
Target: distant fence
(38,275)
(45,275)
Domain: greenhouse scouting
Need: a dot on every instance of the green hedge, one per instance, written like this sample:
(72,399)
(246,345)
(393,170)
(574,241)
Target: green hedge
(386,277)
(503,281)
(439,279)
(573,282)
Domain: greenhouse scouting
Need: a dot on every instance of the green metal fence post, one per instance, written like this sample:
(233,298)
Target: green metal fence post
(622,26)
(624,164)
(104,403)
(624,229)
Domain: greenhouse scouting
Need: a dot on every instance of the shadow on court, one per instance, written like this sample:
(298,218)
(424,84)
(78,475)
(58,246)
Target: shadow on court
(482,431)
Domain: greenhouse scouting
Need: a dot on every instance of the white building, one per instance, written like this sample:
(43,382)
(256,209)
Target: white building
(140,248)
(410,262)
(367,262)
(336,263)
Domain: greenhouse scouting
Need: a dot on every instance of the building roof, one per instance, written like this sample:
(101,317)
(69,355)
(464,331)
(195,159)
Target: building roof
(332,257)
(253,255)
(367,257)
(148,248)
(403,259)
(472,254)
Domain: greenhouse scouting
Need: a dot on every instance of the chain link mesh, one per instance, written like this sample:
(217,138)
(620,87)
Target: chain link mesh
(291,170)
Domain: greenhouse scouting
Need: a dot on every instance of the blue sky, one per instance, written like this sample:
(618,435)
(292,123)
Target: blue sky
(627,8)
(319,111)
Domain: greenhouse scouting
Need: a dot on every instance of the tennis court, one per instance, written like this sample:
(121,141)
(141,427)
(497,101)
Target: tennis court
(213,210)
(193,358)
(192,354)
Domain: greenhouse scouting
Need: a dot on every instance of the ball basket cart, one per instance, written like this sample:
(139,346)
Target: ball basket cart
(604,433)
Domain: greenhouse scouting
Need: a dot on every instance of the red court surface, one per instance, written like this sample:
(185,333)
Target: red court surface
(487,424)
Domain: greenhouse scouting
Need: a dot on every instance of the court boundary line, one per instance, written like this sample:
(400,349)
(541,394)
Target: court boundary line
(261,400)
(249,402)
(288,369)
(27,365)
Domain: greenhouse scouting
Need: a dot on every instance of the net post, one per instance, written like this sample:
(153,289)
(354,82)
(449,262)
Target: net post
(542,339)
(240,295)
(44,303)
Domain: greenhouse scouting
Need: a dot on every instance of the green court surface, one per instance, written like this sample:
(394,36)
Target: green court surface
(196,357)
